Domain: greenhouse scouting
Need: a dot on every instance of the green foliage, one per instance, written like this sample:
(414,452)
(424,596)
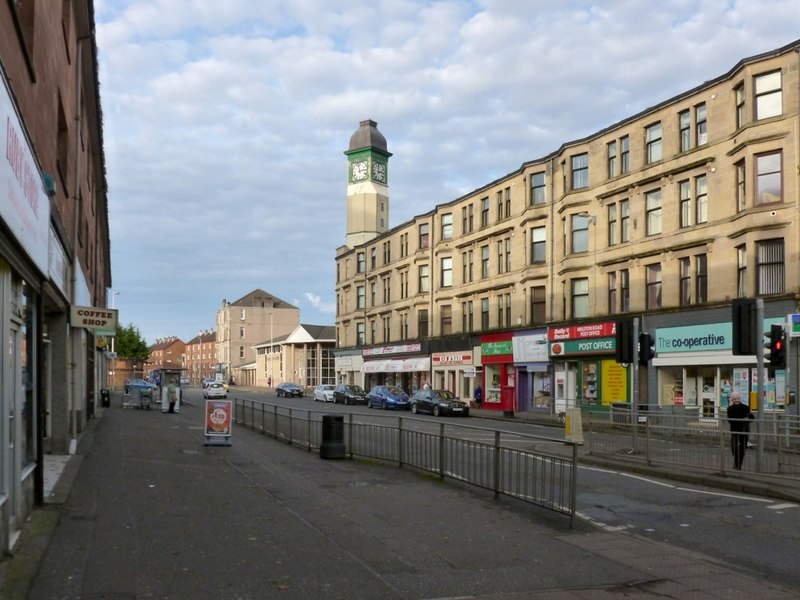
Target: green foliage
(130,344)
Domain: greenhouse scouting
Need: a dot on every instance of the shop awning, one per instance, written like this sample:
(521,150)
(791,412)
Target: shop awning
(397,365)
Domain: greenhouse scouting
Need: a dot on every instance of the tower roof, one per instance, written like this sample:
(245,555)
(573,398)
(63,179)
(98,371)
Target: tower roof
(368,136)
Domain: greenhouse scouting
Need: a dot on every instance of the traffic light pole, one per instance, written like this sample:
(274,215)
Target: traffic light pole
(635,387)
(760,385)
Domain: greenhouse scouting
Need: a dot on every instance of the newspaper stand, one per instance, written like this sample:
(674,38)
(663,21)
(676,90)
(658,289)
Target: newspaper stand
(218,422)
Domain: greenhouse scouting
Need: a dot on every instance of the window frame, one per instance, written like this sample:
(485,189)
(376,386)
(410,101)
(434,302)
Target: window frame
(579,171)
(653,211)
(538,189)
(761,177)
(653,135)
(762,100)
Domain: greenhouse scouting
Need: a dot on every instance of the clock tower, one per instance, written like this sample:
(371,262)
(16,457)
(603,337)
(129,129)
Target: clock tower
(367,184)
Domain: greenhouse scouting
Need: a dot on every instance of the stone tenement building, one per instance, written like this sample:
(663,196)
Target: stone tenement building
(665,217)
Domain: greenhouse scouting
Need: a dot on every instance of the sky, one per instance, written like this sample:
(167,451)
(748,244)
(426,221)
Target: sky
(225,123)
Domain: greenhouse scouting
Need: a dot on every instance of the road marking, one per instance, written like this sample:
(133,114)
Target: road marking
(782,506)
(734,496)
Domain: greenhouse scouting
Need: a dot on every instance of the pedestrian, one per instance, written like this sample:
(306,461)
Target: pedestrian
(478,395)
(172,395)
(426,386)
(739,416)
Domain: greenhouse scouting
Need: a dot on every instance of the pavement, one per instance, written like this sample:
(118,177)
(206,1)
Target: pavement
(145,510)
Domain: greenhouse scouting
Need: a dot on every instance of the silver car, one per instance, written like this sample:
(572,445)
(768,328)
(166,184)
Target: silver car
(324,392)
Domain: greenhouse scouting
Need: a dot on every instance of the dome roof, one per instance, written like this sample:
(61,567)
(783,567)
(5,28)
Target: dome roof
(368,136)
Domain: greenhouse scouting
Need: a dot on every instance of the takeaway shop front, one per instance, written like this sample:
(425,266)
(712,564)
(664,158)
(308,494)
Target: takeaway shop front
(585,372)
(404,365)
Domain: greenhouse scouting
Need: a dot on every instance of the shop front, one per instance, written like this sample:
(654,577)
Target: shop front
(697,370)
(585,372)
(497,360)
(533,376)
(455,371)
(404,365)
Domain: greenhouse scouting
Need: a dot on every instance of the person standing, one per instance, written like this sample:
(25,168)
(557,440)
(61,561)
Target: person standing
(739,416)
(478,396)
(172,395)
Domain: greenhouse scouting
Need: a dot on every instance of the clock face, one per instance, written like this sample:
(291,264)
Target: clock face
(379,172)
(358,171)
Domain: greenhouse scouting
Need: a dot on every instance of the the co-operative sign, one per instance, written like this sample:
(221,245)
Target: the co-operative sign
(93,318)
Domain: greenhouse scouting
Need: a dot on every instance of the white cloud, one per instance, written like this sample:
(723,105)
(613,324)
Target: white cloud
(225,123)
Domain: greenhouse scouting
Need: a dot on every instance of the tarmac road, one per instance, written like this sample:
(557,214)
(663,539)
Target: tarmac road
(153,513)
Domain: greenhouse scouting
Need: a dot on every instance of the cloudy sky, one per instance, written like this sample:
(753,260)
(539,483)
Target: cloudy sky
(225,122)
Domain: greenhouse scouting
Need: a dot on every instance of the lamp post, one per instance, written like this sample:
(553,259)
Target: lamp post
(113,338)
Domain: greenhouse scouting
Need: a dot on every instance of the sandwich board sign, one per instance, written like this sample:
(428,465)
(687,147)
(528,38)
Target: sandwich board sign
(219,420)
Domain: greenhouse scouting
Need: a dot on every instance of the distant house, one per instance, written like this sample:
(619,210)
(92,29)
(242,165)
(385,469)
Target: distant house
(166,353)
(201,356)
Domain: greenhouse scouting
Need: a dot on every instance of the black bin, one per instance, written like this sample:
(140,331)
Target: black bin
(332,445)
(105,397)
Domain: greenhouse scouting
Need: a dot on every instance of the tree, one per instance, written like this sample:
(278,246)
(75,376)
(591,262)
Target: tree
(130,344)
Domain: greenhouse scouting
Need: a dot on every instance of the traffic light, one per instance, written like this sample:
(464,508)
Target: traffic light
(744,320)
(624,341)
(777,347)
(647,348)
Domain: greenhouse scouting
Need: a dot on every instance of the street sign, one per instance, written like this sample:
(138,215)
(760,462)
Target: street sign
(90,317)
(793,320)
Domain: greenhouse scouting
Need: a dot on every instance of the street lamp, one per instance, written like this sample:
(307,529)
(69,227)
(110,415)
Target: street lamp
(113,338)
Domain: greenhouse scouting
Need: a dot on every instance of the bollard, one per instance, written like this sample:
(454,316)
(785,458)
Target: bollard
(332,445)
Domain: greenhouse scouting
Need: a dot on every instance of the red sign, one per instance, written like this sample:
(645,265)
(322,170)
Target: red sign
(218,417)
(452,358)
(581,332)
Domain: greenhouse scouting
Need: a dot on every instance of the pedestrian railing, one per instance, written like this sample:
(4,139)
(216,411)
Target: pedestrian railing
(702,442)
(504,462)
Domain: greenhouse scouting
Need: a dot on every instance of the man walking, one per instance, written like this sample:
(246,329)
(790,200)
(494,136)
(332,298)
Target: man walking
(739,416)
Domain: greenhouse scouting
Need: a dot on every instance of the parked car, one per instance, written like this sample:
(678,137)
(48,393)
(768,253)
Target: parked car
(135,385)
(324,392)
(288,389)
(438,402)
(207,381)
(349,394)
(388,396)
(185,381)
(215,389)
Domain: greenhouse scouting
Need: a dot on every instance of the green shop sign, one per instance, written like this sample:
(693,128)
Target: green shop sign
(497,348)
(589,346)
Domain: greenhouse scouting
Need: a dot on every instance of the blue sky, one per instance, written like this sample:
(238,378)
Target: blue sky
(225,123)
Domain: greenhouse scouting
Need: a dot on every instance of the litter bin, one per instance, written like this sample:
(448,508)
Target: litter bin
(332,445)
(105,397)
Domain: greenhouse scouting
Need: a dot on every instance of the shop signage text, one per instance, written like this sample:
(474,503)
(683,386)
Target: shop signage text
(452,358)
(573,347)
(497,348)
(93,318)
(399,349)
(577,332)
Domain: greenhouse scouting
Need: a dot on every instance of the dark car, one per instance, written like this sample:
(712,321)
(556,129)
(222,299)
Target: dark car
(388,396)
(438,402)
(349,394)
(289,389)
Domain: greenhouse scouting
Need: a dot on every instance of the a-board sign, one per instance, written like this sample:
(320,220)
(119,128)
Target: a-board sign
(219,421)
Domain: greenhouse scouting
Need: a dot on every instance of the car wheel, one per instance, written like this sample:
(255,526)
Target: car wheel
(414,408)
(437,411)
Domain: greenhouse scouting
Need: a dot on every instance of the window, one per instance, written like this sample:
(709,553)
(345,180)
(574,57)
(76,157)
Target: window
(484,212)
(625,220)
(611,154)
(422,323)
(701,198)
(652,140)
(373,293)
(424,278)
(405,292)
(373,331)
(685,199)
(768,95)
(580,297)
(447,226)
(653,282)
(740,115)
(373,258)
(624,155)
(653,212)
(424,240)
(612,293)
(362,262)
(500,205)
(242,314)
(387,252)
(467,267)
(685,129)
(361,297)
(538,246)
(701,278)
(769,185)
(504,309)
(484,313)
(770,267)
(538,301)
(241,351)
(685,281)
(538,195)
(241,333)
(580,171)
(466,218)
(466,316)
(387,329)
(446,315)
(741,271)
(741,190)
(403,245)
(447,271)
(361,334)
(484,262)
(403,326)
(507,194)
(701,124)
(580,233)
(387,289)
(625,290)
(612,225)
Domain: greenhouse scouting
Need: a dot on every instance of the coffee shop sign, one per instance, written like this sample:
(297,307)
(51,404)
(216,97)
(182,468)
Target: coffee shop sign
(90,317)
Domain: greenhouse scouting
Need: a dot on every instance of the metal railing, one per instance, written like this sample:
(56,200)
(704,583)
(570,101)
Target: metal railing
(696,441)
(504,462)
